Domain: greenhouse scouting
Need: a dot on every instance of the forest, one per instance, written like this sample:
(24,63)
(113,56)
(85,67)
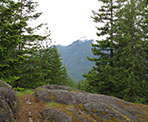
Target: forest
(27,59)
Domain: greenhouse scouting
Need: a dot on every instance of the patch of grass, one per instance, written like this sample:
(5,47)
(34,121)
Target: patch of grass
(24,92)
(76,91)
(54,104)
(41,89)
(81,106)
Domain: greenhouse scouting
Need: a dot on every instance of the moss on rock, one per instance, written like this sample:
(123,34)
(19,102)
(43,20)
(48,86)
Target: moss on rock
(89,107)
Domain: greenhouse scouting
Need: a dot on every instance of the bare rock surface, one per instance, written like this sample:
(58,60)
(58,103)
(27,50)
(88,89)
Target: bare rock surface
(76,106)
(8,103)
(3,84)
(51,115)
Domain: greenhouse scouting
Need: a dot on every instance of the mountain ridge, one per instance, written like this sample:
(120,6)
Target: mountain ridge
(74,56)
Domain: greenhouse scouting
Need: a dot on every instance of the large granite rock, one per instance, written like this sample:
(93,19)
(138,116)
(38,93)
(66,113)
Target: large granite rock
(3,84)
(77,106)
(8,103)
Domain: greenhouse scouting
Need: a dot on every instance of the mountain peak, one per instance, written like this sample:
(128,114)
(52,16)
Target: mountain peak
(74,56)
(84,39)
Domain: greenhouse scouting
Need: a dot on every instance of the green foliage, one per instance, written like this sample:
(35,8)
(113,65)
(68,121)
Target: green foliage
(71,83)
(121,52)
(55,72)
(9,39)
(17,38)
(32,76)
(20,92)
(100,78)
(26,62)
(19,89)
(82,85)
(131,58)
(44,67)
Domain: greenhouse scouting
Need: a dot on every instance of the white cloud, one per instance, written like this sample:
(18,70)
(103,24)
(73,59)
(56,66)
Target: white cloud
(68,20)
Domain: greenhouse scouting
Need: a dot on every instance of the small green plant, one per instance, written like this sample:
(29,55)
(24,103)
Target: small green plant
(23,92)
(54,104)
(19,89)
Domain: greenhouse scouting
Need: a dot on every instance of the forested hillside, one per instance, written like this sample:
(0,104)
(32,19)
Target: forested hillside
(117,65)
(121,51)
(27,59)
(74,56)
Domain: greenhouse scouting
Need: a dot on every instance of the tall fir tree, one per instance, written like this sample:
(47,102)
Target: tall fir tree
(21,40)
(9,39)
(131,62)
(45,67)
(104,49)
(57,69)
(121,66)
(31,42)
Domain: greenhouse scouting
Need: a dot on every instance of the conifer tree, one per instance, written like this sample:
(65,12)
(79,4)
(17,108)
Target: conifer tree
(31,42)
(64,76)
(9,39)
(55,72)
(131,64)
(56,67)
(123,74)
(65,79)
(105,47)
(21,41)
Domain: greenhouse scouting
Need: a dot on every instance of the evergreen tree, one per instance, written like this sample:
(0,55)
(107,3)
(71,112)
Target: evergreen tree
(131,64)
(105,47)
(44,67)
(33,74)
(121,66)
(31,42)
(9,40)
(64,77)
(66,80)
(18,40)
(56,68)
(90,83)
(53,69)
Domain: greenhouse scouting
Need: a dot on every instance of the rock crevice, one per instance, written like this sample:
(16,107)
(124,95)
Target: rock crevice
(88,107)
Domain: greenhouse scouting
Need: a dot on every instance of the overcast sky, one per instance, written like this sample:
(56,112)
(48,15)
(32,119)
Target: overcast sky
(68,20)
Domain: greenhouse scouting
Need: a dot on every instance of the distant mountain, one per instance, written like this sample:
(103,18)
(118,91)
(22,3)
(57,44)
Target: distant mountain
(74,56)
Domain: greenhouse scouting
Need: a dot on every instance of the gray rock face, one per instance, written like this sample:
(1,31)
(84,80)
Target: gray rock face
(86,107)
(54,95)
(3,84)
(56,87)
(8,103)
(52,114)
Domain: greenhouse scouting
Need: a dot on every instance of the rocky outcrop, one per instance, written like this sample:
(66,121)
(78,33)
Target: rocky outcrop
(52,103)
(8,103)
(76,106)
(3,84)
